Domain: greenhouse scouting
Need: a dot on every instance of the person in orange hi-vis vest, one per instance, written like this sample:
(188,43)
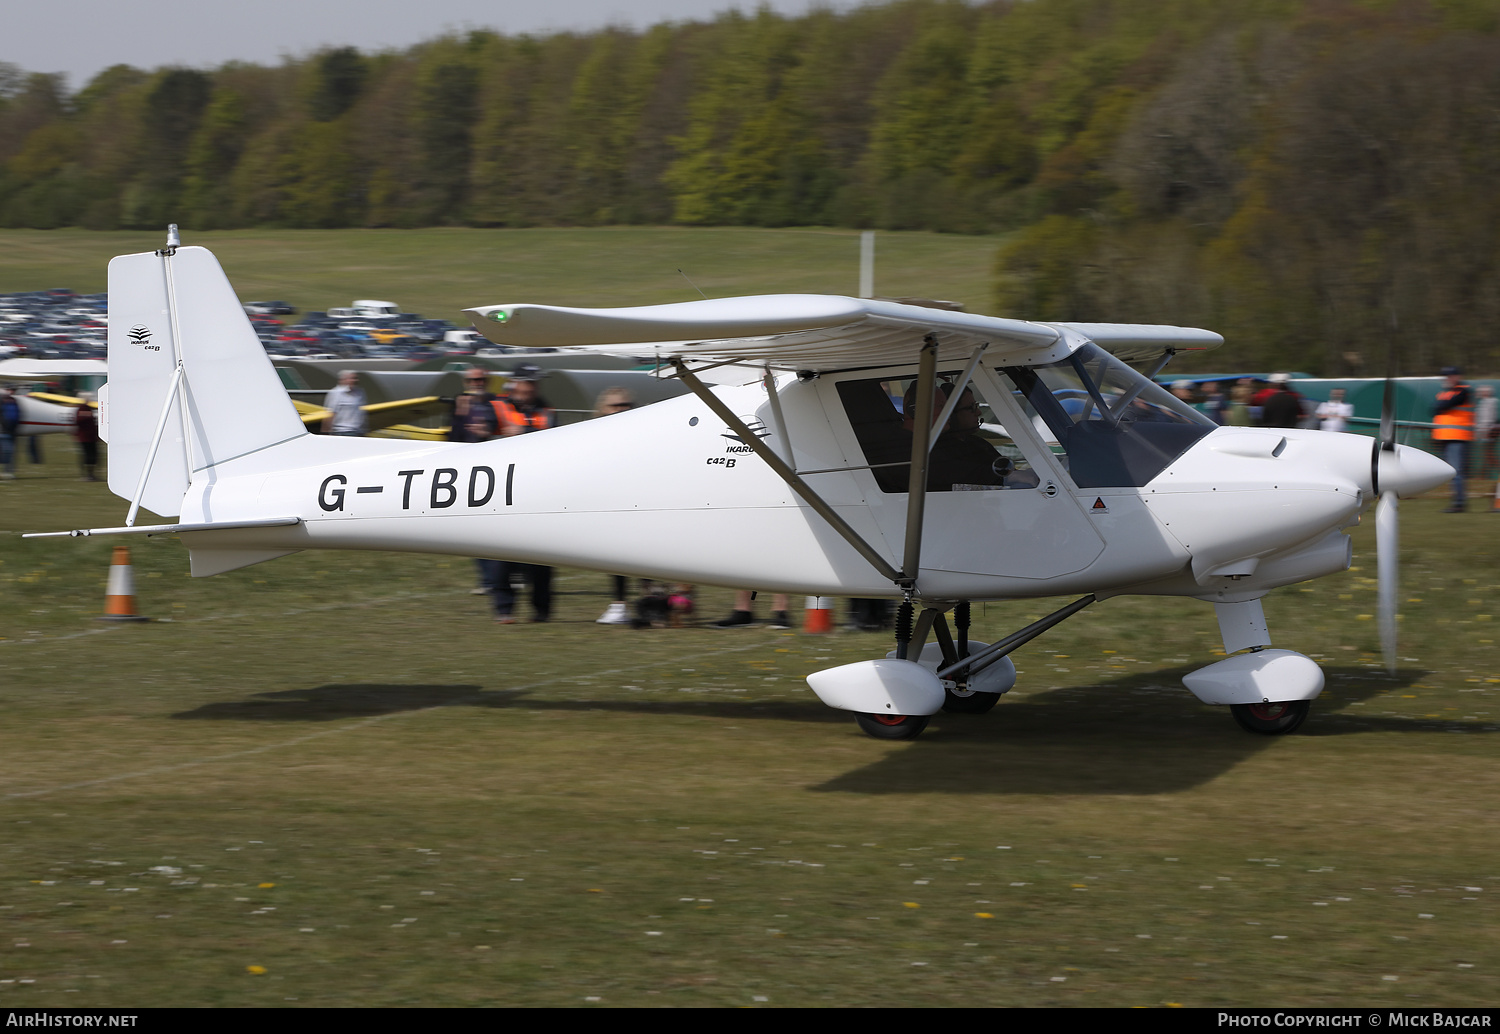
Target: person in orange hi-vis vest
(522,410)
(1454,416)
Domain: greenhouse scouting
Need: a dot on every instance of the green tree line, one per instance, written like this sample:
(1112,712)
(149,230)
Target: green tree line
(1315,178)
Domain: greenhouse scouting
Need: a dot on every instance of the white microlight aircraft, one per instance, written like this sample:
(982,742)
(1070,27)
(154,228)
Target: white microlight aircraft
(1027,460)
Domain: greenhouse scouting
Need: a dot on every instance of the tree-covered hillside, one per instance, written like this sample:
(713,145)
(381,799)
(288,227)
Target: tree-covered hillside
(1312,177)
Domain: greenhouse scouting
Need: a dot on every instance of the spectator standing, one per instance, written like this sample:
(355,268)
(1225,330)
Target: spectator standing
(1283,407)
(474,420)
(742,614)
(345,405)
(611,401)
(522,410)
(1215,403)
(1486,429)
(474,417)
(10,427)
(1454,416)
(1238,413)
(86,434)
(1334,414)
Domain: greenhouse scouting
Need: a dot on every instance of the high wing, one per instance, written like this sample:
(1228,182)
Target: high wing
(818,332)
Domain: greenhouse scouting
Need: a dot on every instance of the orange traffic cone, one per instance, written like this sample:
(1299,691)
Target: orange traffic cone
(119,596)
(1496,505)
(817,618)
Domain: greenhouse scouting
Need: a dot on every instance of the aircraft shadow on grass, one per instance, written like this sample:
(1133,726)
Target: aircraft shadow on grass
(1137,734)
(1142,734)
(339,701)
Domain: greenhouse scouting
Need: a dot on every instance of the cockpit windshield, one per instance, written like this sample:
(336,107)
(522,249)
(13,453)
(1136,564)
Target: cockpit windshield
(1113,426)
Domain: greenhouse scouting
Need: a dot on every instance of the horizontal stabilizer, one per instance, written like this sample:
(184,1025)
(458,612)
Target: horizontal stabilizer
(167,529)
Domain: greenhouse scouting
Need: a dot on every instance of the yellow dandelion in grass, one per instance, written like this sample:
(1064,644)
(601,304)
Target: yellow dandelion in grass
(1363,617)
(257,970)
(984,915)
(595,890)
(265,886)
(910,904)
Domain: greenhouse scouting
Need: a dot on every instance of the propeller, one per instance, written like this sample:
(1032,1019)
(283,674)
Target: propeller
(1387,532)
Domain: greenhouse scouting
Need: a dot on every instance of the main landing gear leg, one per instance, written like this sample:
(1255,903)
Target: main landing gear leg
(960,699)
(1268,691)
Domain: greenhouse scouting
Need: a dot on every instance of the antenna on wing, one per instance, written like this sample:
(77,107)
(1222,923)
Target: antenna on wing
(693,285)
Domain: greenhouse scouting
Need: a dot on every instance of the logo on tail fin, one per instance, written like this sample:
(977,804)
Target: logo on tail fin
(140,334)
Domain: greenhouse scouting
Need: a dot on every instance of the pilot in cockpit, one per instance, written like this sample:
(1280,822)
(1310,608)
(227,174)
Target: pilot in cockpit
(960,459)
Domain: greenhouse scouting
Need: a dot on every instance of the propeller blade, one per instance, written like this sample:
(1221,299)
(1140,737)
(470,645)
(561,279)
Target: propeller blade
(1385,441)
(1388,414)
(1387,546)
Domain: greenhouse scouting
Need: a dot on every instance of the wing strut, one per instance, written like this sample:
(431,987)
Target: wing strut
(921,432)
(778,424)
(959,386)
(788,475)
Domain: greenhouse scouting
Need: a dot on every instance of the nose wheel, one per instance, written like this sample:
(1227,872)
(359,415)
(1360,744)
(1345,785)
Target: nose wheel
(1274,719)
(892,726)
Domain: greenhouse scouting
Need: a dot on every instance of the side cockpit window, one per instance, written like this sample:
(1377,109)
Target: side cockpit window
(877,422)
(973,453)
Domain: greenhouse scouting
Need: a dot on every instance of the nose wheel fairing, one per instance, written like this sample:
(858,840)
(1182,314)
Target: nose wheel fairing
(1262,677)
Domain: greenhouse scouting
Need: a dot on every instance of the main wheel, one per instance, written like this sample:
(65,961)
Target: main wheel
(969,703)
(1276,719)
(892,726)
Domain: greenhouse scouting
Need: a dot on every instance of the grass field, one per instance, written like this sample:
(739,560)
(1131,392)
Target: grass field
(332,780)
(438,272)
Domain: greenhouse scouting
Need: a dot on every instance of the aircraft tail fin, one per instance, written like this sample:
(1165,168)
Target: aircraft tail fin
(190,385)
